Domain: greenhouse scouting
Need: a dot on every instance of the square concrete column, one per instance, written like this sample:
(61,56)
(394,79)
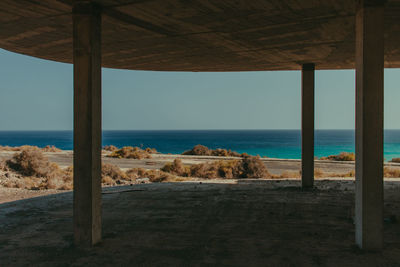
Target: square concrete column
(369,124)
(307,125)
(87,123)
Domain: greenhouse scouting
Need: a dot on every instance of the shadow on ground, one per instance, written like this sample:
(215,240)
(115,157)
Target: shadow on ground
(251,223)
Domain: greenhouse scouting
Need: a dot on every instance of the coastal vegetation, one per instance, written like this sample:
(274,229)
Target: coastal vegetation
(396,160)
(20,148)
(200,150)
(129,152)
(110,148)
(343,156)
(248,167)
(30,168)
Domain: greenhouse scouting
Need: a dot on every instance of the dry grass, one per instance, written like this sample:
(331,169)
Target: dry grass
(129,152)
(200,150)
(318,173)
(391,172)
(287,174)
(343,156)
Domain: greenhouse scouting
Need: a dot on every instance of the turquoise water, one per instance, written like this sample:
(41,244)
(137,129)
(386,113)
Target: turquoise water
(270,143)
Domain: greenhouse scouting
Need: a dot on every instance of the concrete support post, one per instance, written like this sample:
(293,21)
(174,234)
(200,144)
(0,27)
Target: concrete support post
(87,123)
(369,124)
(307,125)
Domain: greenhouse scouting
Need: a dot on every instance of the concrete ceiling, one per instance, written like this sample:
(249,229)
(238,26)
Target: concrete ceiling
(201,35)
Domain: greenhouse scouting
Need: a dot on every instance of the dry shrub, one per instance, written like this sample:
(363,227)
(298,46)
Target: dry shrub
(154,176)
(343,156)
(249,167)
(129,152)
(318,173)
(391,172)
(253,167)
(9,148)
(151,150)
(63,181)
(110,148)
(51,149)
(111,174)
(224,153)
(205,170)
(176,168)
(32,162)
(3,165)
(396,160)
(16,148)
(20,148)
(200,150)
(157,176)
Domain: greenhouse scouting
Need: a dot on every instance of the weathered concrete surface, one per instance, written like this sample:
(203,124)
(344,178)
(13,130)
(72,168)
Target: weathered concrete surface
(87,123)
(307,124)
(253,223)
(223,35)
(369,124)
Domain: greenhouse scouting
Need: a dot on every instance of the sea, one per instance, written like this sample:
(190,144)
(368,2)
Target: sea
(284,144)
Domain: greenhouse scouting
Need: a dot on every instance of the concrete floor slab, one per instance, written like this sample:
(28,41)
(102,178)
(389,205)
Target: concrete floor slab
(249,223)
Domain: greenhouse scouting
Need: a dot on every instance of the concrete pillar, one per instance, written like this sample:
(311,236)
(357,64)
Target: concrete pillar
(307,125)
(369,124)
(87,123)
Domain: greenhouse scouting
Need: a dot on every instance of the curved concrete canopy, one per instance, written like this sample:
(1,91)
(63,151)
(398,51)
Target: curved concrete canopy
(200,35)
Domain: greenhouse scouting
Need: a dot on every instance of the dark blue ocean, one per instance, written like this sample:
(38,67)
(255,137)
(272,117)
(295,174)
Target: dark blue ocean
(271,143)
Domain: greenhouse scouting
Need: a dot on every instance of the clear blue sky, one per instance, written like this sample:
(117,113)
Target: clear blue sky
(37,94)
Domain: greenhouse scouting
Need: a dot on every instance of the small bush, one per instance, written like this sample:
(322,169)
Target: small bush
(113,172)
(110,148)
(129,152)
(51,149)
(343,156)
(200,150)
(396,160)
(253,167)
(20,148)
(176,168)
(249,167)
(391,172)
(151,150)
(9,148)
(32,162)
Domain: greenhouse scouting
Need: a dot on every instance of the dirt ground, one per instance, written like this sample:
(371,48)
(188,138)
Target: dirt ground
(213,223)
